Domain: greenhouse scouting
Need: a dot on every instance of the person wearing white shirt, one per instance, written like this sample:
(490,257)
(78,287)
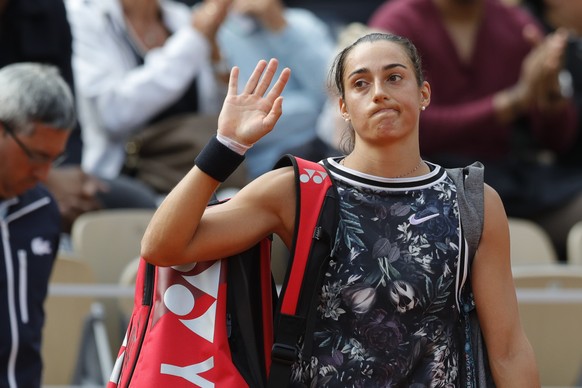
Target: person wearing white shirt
(134,60)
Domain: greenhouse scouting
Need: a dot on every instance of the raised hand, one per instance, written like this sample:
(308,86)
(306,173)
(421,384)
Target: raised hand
(541,68)
(550,95)
(250,115)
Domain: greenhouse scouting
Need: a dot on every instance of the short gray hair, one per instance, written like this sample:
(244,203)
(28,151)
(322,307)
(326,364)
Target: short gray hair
(35,92)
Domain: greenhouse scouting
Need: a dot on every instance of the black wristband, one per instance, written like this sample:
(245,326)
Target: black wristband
(217,160)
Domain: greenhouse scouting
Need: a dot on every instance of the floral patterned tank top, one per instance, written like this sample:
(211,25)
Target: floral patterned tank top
(388,308)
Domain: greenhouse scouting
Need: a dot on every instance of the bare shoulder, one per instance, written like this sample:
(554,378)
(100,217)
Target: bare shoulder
(270,186)
(272,193)
(494,209)
(494,242)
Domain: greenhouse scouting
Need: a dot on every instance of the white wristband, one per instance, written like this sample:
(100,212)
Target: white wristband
(232,144)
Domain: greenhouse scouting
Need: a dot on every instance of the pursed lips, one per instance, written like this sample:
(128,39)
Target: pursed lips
(384,111)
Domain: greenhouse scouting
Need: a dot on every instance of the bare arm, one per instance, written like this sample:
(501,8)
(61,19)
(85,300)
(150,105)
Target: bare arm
(510,355)
(182,231)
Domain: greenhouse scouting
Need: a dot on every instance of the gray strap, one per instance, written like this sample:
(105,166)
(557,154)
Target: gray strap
(469,182)
(470,196)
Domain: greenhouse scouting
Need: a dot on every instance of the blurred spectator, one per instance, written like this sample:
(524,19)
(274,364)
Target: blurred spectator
(335,13)
(566,14)
(137,64)
(38,31)
(37,114)
(264,29)
(496,98)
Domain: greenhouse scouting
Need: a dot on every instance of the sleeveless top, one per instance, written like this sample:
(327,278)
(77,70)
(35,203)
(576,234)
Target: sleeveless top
(388,308)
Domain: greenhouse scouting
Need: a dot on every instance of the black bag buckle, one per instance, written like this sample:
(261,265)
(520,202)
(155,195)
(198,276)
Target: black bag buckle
(284,354)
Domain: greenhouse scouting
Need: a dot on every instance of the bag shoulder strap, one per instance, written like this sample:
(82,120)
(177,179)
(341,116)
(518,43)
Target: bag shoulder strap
(315,225)
(312,182)
(474,369)
(469,183)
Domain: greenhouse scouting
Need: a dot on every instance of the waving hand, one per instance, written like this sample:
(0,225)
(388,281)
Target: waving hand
(250,115)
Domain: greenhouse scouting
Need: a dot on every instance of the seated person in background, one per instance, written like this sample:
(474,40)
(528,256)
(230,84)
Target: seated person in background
(263,29)
(37,114)
(33,31)
(137,63)
(496,98)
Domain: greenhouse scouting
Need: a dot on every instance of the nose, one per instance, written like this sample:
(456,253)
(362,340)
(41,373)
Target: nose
(380,91)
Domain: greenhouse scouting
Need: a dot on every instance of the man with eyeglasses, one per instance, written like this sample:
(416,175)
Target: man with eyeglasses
(37,115)
(38,31)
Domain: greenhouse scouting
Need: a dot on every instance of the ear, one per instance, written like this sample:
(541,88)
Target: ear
(425,94)
(343,109)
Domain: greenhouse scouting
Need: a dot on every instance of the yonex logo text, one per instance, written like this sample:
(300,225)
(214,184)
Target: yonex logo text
(317,176)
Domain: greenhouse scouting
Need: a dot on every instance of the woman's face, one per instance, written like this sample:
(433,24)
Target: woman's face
(382,98)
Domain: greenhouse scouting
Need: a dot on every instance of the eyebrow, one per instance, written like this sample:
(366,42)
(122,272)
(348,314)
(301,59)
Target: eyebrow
(386,67)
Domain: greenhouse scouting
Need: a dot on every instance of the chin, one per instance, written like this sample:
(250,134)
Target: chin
(18,190)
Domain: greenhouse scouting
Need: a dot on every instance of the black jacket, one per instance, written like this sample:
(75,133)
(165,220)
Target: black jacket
(29,241)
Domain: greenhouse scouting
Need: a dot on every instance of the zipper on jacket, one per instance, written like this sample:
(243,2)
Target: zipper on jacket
(14,336)
(23,287)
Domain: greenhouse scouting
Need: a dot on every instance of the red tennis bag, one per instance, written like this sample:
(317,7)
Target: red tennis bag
(210,324)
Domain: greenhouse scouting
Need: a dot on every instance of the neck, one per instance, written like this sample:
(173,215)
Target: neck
(144,22)
(387,164)
(144,10)
(460,10)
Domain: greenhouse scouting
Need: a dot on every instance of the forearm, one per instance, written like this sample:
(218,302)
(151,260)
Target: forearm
(176,220)
(518,369)
(174,226)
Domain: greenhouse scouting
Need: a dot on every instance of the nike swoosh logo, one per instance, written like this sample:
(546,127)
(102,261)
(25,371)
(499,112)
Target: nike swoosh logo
(416,221)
